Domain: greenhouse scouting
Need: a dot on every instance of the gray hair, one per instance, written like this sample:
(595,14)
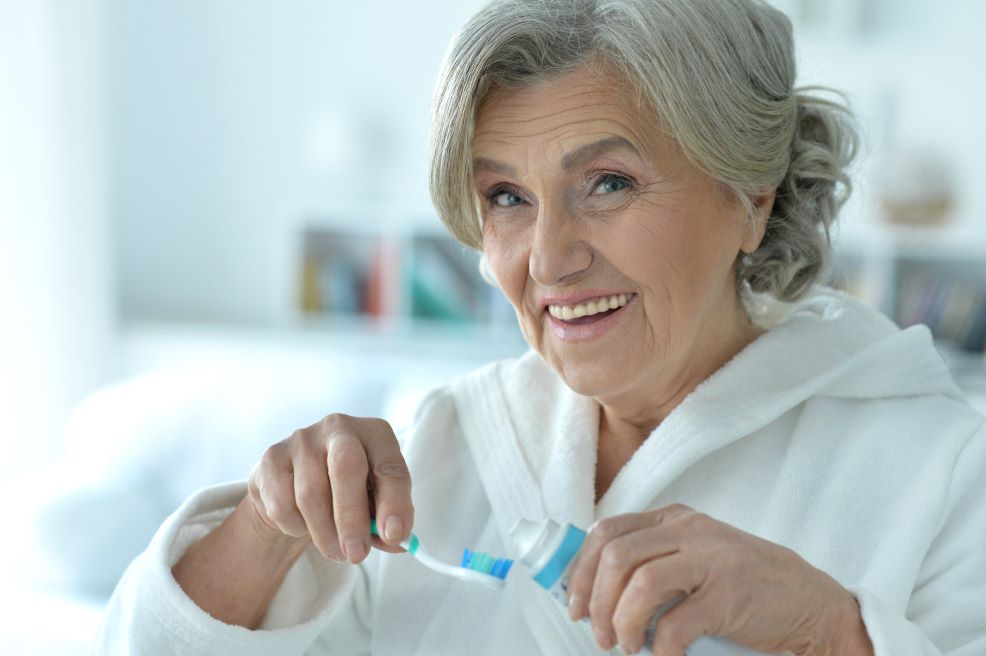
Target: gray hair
(718,73)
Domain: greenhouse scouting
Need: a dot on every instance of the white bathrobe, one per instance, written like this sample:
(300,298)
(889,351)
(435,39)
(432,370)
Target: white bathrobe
(834,434)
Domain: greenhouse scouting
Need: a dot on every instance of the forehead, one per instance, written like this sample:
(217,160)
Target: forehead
(589,103)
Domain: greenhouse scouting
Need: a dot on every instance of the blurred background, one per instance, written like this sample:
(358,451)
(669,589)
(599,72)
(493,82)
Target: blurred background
(215,228)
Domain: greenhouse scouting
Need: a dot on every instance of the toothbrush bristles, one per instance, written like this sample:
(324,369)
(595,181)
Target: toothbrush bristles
(486,564)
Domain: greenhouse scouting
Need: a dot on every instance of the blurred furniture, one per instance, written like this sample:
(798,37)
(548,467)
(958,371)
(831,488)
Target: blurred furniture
(386,265)
(934,275)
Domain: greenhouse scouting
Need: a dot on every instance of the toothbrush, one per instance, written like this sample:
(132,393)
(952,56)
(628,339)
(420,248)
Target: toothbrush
(476,566)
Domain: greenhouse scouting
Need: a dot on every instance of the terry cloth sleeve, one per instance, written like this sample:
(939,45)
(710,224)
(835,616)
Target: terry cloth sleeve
(946,613)
(149,613)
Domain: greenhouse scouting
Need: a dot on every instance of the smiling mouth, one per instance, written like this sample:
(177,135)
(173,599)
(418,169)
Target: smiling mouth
(590,310)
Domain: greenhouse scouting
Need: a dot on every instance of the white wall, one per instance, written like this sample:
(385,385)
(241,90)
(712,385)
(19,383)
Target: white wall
(228,116)
(915,80)
(57,320)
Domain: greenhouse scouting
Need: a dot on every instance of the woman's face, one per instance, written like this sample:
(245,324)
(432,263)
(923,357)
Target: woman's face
(615,252)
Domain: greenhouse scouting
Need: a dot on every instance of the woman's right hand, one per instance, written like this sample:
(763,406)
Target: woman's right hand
(326,482)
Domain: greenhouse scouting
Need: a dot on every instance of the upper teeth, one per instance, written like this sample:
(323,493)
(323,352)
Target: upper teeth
(585,309)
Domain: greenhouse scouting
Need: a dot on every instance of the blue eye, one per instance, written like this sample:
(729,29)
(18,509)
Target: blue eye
(505,199)
(611,183)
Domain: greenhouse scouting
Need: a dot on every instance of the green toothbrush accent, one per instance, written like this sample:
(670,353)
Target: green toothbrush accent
(477,567)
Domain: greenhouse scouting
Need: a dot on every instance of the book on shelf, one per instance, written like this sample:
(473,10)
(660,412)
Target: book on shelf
(954,310)
(416,277)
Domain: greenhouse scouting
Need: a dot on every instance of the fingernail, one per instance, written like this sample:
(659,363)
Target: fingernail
(393,529)
(355,550)
(604,640)
(576,608)
(629,650)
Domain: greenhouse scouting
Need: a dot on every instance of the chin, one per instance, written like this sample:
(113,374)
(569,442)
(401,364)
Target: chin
(594,379)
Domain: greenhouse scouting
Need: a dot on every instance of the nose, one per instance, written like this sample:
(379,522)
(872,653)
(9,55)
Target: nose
(559,254)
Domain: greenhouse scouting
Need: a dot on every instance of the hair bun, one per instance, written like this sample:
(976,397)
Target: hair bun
(815,187)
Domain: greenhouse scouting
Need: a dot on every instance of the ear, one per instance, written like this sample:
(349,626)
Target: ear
(762,206)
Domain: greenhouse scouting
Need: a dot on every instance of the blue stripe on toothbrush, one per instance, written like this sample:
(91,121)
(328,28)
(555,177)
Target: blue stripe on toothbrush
(476,561)
(486,564)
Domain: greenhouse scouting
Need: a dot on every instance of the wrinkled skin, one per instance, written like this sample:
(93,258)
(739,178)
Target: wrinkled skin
(581,190)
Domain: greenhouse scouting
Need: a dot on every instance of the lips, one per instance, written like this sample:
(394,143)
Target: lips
(588,326)
(578,321)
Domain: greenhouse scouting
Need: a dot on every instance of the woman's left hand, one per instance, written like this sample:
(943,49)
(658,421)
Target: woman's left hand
(751,591)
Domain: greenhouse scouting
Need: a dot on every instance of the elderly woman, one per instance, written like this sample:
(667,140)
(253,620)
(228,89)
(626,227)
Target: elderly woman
(654,198)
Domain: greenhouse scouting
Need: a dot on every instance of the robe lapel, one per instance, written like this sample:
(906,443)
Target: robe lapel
(755,388)
(508,476)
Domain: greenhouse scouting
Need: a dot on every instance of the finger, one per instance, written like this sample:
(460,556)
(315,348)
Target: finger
(685,623)
(348,470)
(261,485)
(618,561)
(277,494)
(391,485)
(253,491)
(313,497)
(587,560)
(584,568)
(653,588)
(376,541)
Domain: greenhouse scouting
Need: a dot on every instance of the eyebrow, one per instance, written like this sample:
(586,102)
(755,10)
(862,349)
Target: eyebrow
(577,156)
(487,164)
(596,148)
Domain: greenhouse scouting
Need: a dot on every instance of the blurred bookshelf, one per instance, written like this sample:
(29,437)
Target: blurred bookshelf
(933,275)
(377,270)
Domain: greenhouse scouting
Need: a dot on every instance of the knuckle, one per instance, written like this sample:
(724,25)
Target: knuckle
(311,495)
(253,485)
(347,455)
(274,454)
(693,520)
(394,470)
(305,443)
(677,509)
(380,424)
(606,529)
(645,578)
(348,515)
(615,556)
(253,491)
(278,511)
(335,421)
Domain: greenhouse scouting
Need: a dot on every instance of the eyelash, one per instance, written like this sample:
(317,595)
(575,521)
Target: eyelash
(607,177)
(593,181)
(497,191)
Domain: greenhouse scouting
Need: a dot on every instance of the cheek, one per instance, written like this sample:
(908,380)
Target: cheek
(509,264)
(684,243)
(668,252)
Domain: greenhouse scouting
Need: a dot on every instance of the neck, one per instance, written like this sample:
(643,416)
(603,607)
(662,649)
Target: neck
(627,418)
